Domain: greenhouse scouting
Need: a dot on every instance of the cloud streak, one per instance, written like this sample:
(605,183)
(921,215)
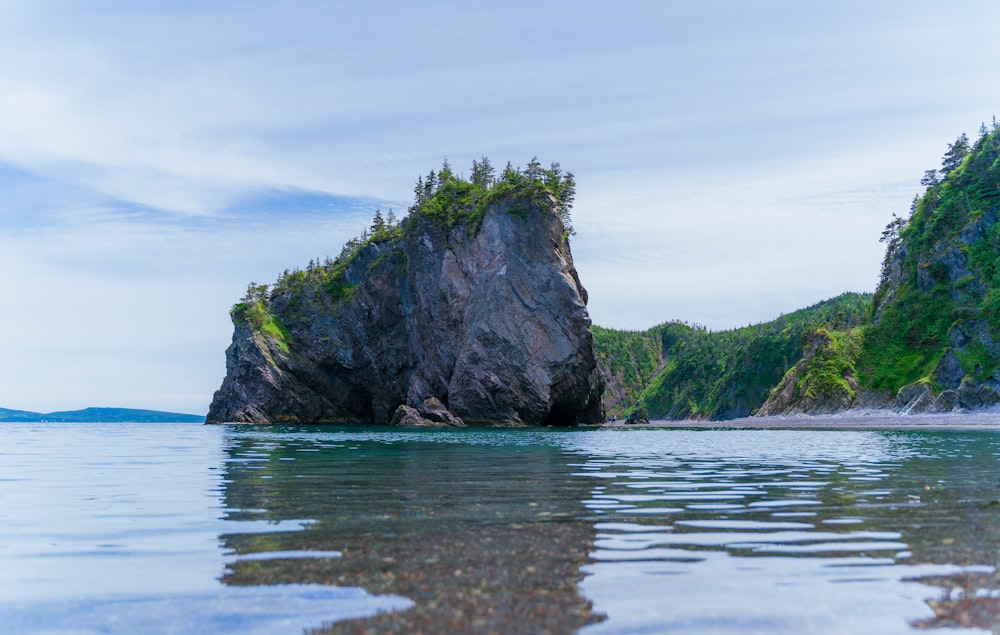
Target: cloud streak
(733,161)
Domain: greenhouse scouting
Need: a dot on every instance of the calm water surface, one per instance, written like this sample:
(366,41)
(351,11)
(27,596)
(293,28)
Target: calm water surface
(131,528)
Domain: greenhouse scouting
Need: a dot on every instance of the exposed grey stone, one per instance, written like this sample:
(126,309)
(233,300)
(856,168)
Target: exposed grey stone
(974,396)
(925,281)
(956,263)
(783,396)
(431,413)
(958,336)
(914,398)
(993,381)
(946,401)
(949,372)
(977,229)
(433,410)
(893,277)
(407,416)
(966,332)
(491,321)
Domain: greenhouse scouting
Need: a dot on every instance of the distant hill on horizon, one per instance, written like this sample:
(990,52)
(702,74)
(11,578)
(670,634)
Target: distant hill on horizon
(98,415)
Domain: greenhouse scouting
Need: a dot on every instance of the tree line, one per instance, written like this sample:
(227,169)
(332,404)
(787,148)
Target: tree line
(446,198)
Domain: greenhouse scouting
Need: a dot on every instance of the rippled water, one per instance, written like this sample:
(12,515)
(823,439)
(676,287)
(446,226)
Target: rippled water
(203,529)
(788,531)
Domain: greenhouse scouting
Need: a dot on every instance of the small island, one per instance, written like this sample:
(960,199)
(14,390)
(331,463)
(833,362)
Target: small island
(467,311)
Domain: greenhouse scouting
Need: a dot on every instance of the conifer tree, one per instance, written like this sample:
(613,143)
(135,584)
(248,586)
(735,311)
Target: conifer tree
(956,153)
(510,175)
(534,170)
(431,184)
(446,173)
(378,224)
(553,178)
(419,191)
(483,173)
(567,191)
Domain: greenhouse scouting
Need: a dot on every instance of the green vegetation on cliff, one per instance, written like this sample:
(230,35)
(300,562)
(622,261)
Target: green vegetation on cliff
(678,371)
(824,380)
(929,338)
(448,199)
(940,285)
(628,359)
(468,310)
(443,197)
(828,369)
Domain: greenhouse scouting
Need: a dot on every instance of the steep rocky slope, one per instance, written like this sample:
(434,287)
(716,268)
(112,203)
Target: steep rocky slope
(934,340)
(468,311)
(930,341)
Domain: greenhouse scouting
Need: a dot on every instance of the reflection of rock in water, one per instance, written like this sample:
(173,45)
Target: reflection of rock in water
(481,538)
(494,579)
(964,601)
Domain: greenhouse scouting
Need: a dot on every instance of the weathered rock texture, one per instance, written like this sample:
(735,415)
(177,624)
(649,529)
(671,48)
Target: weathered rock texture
(822,382)
(488,317)
(431,412)
(934,342)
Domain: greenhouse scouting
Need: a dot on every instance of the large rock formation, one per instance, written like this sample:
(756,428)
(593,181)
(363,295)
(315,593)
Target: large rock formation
(934,341)
(478,308)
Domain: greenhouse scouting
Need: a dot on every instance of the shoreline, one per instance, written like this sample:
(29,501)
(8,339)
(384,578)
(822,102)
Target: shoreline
(987,420)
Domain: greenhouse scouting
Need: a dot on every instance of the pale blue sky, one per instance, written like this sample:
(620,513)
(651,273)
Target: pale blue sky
(735,160)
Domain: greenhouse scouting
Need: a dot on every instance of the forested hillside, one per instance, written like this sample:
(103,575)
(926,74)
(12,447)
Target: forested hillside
(677,371)
(928,340)
(936,313)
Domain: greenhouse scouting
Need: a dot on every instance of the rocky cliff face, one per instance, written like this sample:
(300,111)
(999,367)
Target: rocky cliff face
(933,343)
(929,343)
(933,340)
(478,318)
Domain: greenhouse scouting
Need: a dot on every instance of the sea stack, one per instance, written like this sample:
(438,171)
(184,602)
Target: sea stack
(468,311)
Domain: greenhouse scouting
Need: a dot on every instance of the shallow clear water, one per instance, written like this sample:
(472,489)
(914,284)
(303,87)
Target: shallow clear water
(131,528)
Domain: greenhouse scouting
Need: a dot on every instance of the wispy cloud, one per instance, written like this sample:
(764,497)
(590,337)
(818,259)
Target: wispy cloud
(734,160)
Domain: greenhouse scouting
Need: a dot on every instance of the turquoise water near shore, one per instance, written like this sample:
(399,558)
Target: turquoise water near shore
(158,528)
